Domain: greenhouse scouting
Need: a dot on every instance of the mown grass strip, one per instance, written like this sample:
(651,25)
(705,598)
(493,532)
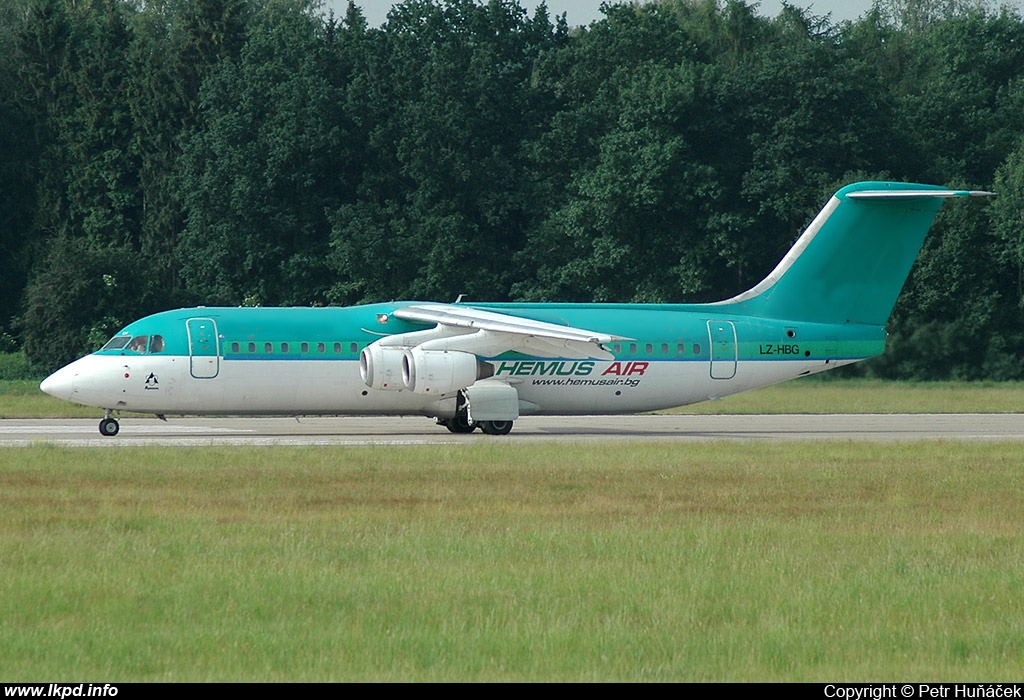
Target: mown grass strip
(821,396)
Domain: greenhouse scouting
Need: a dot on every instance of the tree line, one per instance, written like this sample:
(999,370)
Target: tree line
(261,152)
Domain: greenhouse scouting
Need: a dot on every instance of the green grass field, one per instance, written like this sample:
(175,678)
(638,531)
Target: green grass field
(707,562)
(831,561)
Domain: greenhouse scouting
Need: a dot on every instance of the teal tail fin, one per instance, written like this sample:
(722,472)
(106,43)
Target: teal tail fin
(850,264)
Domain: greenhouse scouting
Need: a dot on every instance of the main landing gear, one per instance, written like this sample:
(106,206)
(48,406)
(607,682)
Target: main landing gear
(460,424)
(109,426)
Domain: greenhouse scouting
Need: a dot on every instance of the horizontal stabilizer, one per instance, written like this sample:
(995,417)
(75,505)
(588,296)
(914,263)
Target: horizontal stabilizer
(897,193)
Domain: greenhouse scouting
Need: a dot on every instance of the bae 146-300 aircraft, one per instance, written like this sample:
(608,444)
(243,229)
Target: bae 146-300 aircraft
(482,365)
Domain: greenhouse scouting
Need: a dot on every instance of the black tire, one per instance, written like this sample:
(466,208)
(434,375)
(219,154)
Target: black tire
(459,424)
(496,427)
(109,427)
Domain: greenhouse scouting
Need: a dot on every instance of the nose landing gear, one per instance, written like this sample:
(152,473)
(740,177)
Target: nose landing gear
(109,426)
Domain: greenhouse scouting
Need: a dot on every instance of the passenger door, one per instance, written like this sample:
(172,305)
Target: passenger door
(203,347)
(723,349)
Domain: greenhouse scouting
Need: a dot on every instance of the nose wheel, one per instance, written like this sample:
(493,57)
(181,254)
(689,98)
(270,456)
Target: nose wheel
(109,426)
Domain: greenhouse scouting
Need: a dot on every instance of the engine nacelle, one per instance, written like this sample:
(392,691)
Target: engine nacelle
(381,368)
(441,371)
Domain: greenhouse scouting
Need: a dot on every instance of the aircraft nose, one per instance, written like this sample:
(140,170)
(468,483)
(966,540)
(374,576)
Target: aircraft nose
(60,384)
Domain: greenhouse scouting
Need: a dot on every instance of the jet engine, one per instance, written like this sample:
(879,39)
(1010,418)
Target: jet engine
(441,371)
(381,367)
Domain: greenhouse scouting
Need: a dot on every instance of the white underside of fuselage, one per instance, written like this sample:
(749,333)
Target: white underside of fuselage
(166,385)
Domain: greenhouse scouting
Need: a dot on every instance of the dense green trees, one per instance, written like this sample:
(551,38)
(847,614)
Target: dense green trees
(445,194)
(268,157)
(259,152)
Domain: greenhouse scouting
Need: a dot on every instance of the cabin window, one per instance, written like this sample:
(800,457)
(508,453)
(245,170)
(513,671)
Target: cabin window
(304,348)
(617,347)
(696,348)
(632,348)
(664,348)
(354,348)
(268,348)
(284,348)
(680,349)
(337,348)
(649,348)
(321,348)
(252,347)
(235,347)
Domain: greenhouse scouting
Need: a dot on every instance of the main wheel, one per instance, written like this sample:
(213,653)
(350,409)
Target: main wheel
(496,427)
(109,427)
(460,424)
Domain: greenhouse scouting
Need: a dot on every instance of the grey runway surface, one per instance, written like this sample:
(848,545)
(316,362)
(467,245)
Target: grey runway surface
(416,430)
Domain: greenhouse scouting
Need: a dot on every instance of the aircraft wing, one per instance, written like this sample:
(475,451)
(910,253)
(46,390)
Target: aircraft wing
(489,334)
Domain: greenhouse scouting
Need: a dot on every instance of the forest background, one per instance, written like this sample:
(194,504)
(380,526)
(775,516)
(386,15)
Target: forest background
(261,152)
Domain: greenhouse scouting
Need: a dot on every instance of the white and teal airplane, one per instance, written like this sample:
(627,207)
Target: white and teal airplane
(482,365)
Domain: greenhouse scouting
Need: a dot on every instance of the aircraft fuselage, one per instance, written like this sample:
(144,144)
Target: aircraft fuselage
(306,361)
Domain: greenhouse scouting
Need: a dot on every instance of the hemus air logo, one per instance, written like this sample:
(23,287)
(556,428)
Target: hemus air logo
(563,368)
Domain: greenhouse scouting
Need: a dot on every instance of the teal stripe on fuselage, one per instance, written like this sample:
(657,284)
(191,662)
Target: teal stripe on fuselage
(649,324)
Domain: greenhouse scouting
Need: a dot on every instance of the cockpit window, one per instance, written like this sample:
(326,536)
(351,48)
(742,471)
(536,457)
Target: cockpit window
(139,343)
(117,342)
